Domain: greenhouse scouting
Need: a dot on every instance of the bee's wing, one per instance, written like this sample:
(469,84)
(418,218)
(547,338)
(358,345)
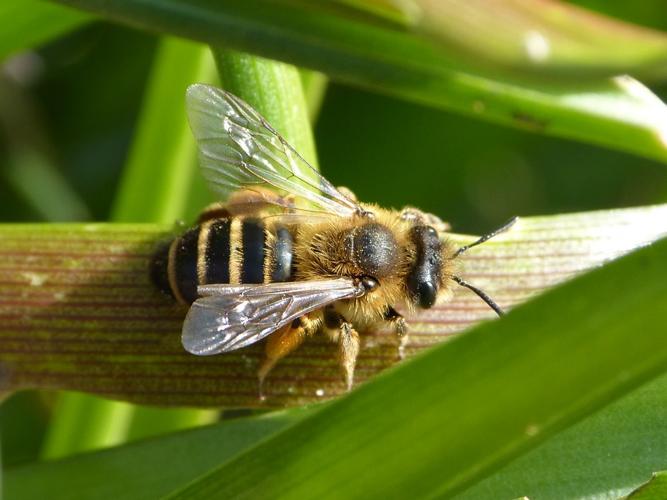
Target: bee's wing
(228,317)
(238,149)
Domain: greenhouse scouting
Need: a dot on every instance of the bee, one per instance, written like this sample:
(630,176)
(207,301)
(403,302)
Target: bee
(285,254)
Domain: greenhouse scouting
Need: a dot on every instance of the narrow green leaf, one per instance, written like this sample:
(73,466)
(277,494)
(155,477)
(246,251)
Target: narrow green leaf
(161,166)
(655,489)
(81,312)
(447,418)
(384,57)
(29,23)
(149,469)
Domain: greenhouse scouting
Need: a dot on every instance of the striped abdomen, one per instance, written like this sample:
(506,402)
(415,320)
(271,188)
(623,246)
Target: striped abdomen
(226,250)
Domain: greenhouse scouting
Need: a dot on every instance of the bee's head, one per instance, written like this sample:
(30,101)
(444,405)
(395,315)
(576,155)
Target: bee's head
(425,276)
(432,266)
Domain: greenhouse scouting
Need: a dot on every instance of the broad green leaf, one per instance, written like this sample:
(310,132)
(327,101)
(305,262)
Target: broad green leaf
(444,420)
(149,468)
(605,456)
(655,489)
(81,313)
(28,23)
(619,114)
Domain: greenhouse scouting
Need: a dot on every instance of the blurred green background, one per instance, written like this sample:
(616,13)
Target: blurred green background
(68,114)
(81,95)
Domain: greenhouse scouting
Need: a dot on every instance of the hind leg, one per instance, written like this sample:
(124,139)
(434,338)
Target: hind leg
(284,341)
(246,202)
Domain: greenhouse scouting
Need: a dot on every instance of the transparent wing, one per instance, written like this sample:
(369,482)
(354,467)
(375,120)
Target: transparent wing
(238,149)
(228,317)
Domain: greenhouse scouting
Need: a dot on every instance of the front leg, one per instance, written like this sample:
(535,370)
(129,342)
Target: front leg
(416,216)
(342,332)
(400,327)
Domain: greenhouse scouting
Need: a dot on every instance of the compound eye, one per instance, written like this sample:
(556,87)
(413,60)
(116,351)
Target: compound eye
(426,294)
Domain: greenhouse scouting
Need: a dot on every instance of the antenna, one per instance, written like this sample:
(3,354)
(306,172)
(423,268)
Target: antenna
(489,301)
(486,237)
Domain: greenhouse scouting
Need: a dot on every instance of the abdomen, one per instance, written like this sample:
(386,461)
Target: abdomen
(223,250)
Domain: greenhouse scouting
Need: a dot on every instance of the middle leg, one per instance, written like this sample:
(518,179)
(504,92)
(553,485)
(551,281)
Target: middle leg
(342,332)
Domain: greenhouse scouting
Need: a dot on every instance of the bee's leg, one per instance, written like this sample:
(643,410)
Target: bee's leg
(342,332)
(400,328)
(246,202)
(215,210)
(418,217)
(347,192)
(284,341)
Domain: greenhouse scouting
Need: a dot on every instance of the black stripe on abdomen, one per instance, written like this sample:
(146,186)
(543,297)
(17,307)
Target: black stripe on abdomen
(217,252)
(254,240)
(282,255)
(185,265)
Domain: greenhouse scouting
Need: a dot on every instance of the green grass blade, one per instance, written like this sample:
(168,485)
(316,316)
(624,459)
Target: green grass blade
(149,468)
(607,455)
(382,57)
(447,418)
(162,165)
(29,23)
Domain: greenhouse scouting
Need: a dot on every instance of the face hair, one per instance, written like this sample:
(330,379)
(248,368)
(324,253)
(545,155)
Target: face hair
(489,301)
(487,237)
